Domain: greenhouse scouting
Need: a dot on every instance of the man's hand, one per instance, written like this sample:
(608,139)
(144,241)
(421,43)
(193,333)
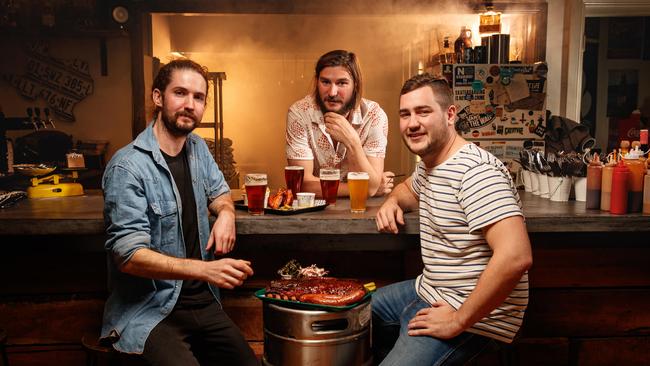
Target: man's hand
(386,185)
(227,272)
(439,321)
(222,235)
(389,216)
(341,130)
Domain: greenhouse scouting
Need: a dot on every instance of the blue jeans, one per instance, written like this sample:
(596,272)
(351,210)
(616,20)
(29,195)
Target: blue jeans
(393,307)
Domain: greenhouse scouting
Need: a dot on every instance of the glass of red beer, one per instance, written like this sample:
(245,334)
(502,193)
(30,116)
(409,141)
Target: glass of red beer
(293,175)
(256,192)
(329,184)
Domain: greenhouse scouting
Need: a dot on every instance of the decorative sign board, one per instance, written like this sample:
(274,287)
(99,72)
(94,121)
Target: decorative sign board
(62,83)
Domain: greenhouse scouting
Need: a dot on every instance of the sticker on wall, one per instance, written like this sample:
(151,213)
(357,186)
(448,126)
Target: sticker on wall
(62,83)
(467,121)
(463,75)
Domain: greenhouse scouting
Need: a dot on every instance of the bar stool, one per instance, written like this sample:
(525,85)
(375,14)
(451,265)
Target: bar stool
(3,347)
(99,353)
(95,351)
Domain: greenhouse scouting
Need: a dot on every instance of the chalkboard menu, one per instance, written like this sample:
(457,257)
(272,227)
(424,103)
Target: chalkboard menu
(62,83)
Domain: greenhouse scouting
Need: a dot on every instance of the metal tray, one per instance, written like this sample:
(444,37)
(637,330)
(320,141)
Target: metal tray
(307,306)
(320,205)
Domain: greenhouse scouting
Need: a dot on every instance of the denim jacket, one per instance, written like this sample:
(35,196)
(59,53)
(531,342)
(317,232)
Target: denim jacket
(142,209)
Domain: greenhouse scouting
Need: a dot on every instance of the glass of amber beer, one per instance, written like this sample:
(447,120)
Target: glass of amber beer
(255,191)
(329,184)
(293,175)
(358,187)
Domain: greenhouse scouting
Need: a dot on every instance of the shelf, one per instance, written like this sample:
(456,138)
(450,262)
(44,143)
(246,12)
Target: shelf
(64,33)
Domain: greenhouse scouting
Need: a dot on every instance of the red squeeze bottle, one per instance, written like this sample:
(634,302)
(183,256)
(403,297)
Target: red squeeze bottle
(621,175)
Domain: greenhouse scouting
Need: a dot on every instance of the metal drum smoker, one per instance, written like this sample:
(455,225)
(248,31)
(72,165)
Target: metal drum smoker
(298,337)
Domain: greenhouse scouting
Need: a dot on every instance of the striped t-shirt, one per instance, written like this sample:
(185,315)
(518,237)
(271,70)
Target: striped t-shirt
(459,197)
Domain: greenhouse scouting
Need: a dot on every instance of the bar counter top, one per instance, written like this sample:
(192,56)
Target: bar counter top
(82,215)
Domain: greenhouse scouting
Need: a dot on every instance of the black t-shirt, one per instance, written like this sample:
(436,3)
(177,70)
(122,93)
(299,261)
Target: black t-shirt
(193,292)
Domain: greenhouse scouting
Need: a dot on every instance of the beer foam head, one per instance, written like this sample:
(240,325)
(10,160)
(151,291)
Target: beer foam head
(293,167)
(255,179)
(358,176)
(330,174)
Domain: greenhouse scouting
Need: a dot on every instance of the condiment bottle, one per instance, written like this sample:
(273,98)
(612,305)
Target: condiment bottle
(594,182)
(643,139)
(625,147)
(646,194)
(620,177)
(635,181)
(606,184)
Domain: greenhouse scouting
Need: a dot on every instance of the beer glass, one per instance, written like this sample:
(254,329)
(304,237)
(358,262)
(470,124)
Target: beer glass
(256,192)
(293,176)
(358,187)
(329,184)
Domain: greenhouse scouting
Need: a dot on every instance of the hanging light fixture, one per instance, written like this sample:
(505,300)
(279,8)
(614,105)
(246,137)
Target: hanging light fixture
(489,20)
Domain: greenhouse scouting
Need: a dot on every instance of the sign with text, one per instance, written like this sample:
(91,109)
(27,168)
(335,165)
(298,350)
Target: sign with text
(61,83)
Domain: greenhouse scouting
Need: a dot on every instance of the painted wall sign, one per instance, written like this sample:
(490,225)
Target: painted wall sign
(62,83)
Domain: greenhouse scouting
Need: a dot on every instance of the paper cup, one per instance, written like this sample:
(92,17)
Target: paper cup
(559,188)
(580,188)
(543,186)
(528,184)
(306,199)
(534,183)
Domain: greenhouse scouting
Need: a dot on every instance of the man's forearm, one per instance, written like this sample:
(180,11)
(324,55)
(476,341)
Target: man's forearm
(512,257)
(358,162)
(150,264)
(493,287)
(404,196)
(221,204)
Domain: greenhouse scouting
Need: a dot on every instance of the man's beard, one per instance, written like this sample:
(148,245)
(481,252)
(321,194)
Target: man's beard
(175,128)
(343,111)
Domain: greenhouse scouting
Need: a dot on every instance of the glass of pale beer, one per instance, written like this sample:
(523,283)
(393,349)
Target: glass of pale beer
(293,175)
(329,184)
(358,187)
(256,192)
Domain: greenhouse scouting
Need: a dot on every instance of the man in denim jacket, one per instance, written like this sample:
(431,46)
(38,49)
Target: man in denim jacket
(164,278)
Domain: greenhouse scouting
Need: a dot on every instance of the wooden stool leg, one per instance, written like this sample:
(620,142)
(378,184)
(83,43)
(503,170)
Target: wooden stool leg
(3,348)
(507,355)
(89,359)
(5,358)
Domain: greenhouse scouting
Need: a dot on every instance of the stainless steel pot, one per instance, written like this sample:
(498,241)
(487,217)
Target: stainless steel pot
(296,337)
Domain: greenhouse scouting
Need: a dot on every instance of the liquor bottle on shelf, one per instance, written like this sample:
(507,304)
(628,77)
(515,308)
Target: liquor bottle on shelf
(447,53)
(489,21)
(463,41)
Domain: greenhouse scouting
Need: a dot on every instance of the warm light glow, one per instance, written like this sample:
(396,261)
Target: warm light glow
(177,54)
(489,22)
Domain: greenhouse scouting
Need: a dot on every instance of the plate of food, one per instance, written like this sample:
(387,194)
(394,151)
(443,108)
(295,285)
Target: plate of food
(283,203)
(34,170)
(309,288)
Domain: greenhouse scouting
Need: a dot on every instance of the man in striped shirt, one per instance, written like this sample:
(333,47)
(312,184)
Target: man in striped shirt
(475,248)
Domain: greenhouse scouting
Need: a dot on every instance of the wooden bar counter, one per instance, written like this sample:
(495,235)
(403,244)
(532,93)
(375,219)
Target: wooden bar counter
(82,215)
(590,280)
